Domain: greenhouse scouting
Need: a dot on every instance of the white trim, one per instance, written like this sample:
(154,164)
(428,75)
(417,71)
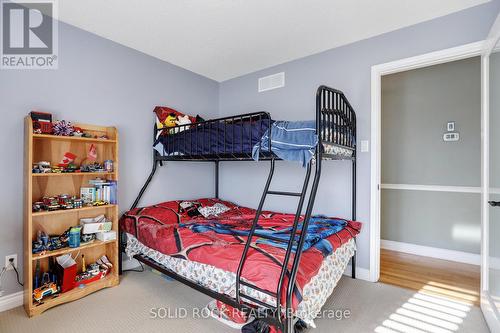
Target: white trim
(11,301)
(361,273)
(425,60)
(490,312)
(485,172)
(432,252)
(488,307)
(437,188)
(490,44)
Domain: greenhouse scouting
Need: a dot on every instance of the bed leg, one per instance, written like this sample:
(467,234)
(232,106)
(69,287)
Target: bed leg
(120,253)
(353,266)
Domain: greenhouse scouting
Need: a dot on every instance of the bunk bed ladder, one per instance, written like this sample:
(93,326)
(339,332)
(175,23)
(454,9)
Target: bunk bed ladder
(291,243)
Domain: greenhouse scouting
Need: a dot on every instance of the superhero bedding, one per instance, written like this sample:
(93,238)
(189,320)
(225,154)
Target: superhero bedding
(204,243)
(290,140)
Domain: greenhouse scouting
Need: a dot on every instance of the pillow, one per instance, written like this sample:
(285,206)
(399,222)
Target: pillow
(190,208)
(165,114)
(214,210)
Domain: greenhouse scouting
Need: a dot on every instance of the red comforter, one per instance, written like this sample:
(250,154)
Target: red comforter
(158,227)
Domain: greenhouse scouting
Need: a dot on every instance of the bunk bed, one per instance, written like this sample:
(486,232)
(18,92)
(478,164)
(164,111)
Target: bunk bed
(249,258)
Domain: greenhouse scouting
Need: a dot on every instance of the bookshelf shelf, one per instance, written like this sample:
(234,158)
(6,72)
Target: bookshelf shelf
(41,147)
(74,294)
(71,138)
(81,174)
(69,211)
(69,249)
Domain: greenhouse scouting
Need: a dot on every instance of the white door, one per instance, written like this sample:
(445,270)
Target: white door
(490,270)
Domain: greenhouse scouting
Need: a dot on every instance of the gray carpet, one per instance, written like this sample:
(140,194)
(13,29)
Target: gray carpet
(127,308)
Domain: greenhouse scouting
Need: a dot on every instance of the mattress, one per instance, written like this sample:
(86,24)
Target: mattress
(207,251)
(213,138)
(221,138)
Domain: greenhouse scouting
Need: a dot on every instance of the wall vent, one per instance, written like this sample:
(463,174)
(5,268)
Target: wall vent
(272,82)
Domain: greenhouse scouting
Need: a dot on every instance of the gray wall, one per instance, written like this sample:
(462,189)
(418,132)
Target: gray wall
(416,105)
(100,82)
(346,68)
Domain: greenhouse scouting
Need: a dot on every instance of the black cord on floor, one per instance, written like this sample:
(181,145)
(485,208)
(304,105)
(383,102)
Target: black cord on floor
(17,274)
(135,270)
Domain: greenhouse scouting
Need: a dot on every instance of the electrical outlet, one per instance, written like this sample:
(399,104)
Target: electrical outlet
(7,261)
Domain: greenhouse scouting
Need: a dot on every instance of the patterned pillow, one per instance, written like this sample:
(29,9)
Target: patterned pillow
(214,210)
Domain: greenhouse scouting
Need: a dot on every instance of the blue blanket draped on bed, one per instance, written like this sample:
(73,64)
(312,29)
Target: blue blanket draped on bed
(318,230)
(290,140)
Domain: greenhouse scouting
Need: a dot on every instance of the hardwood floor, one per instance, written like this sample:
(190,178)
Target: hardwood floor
(431,276)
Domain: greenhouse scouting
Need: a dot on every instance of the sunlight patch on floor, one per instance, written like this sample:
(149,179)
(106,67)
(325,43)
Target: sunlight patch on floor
(436,308)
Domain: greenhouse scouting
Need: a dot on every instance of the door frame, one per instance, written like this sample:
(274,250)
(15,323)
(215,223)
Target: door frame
(425,60)
(488,307)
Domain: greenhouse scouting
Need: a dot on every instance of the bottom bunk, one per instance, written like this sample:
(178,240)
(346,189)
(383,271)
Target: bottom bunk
(202,241)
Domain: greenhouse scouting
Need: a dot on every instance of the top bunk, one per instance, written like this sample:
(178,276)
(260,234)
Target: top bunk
(244,137)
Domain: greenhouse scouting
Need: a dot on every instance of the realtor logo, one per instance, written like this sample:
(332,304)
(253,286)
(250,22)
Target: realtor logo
(29,34)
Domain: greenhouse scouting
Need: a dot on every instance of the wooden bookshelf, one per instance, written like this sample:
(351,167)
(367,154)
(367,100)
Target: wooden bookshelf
(42,147)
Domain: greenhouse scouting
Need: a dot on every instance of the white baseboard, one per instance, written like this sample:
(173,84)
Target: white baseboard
(432,252)
(361,273)
(11,301)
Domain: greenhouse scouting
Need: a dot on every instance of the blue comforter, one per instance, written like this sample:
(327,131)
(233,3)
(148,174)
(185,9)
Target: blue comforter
(290,140)
(318,230)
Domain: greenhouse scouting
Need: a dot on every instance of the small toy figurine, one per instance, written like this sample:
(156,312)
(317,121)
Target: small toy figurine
(84,268)
(45,290)
(77,131)
(41,167)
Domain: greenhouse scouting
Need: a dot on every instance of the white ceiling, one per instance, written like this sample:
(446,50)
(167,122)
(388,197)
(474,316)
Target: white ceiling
(222,39)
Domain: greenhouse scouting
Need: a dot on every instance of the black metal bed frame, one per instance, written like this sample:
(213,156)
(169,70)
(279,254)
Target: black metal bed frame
(335,125)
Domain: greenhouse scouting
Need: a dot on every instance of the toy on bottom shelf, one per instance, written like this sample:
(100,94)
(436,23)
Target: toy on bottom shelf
(94,271)
(48,286)
(45,290)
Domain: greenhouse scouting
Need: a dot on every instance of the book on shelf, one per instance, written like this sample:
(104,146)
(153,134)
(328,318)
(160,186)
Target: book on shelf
(100,190)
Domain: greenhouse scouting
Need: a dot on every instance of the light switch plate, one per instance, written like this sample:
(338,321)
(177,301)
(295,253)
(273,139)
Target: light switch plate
(450,126)
(365,146)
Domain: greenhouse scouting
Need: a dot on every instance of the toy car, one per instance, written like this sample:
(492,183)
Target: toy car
(45,290)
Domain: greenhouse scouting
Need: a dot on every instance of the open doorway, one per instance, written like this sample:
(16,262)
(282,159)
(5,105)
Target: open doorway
(430,203)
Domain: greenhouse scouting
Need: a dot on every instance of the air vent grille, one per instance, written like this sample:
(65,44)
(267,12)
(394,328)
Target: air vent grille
(272,82)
